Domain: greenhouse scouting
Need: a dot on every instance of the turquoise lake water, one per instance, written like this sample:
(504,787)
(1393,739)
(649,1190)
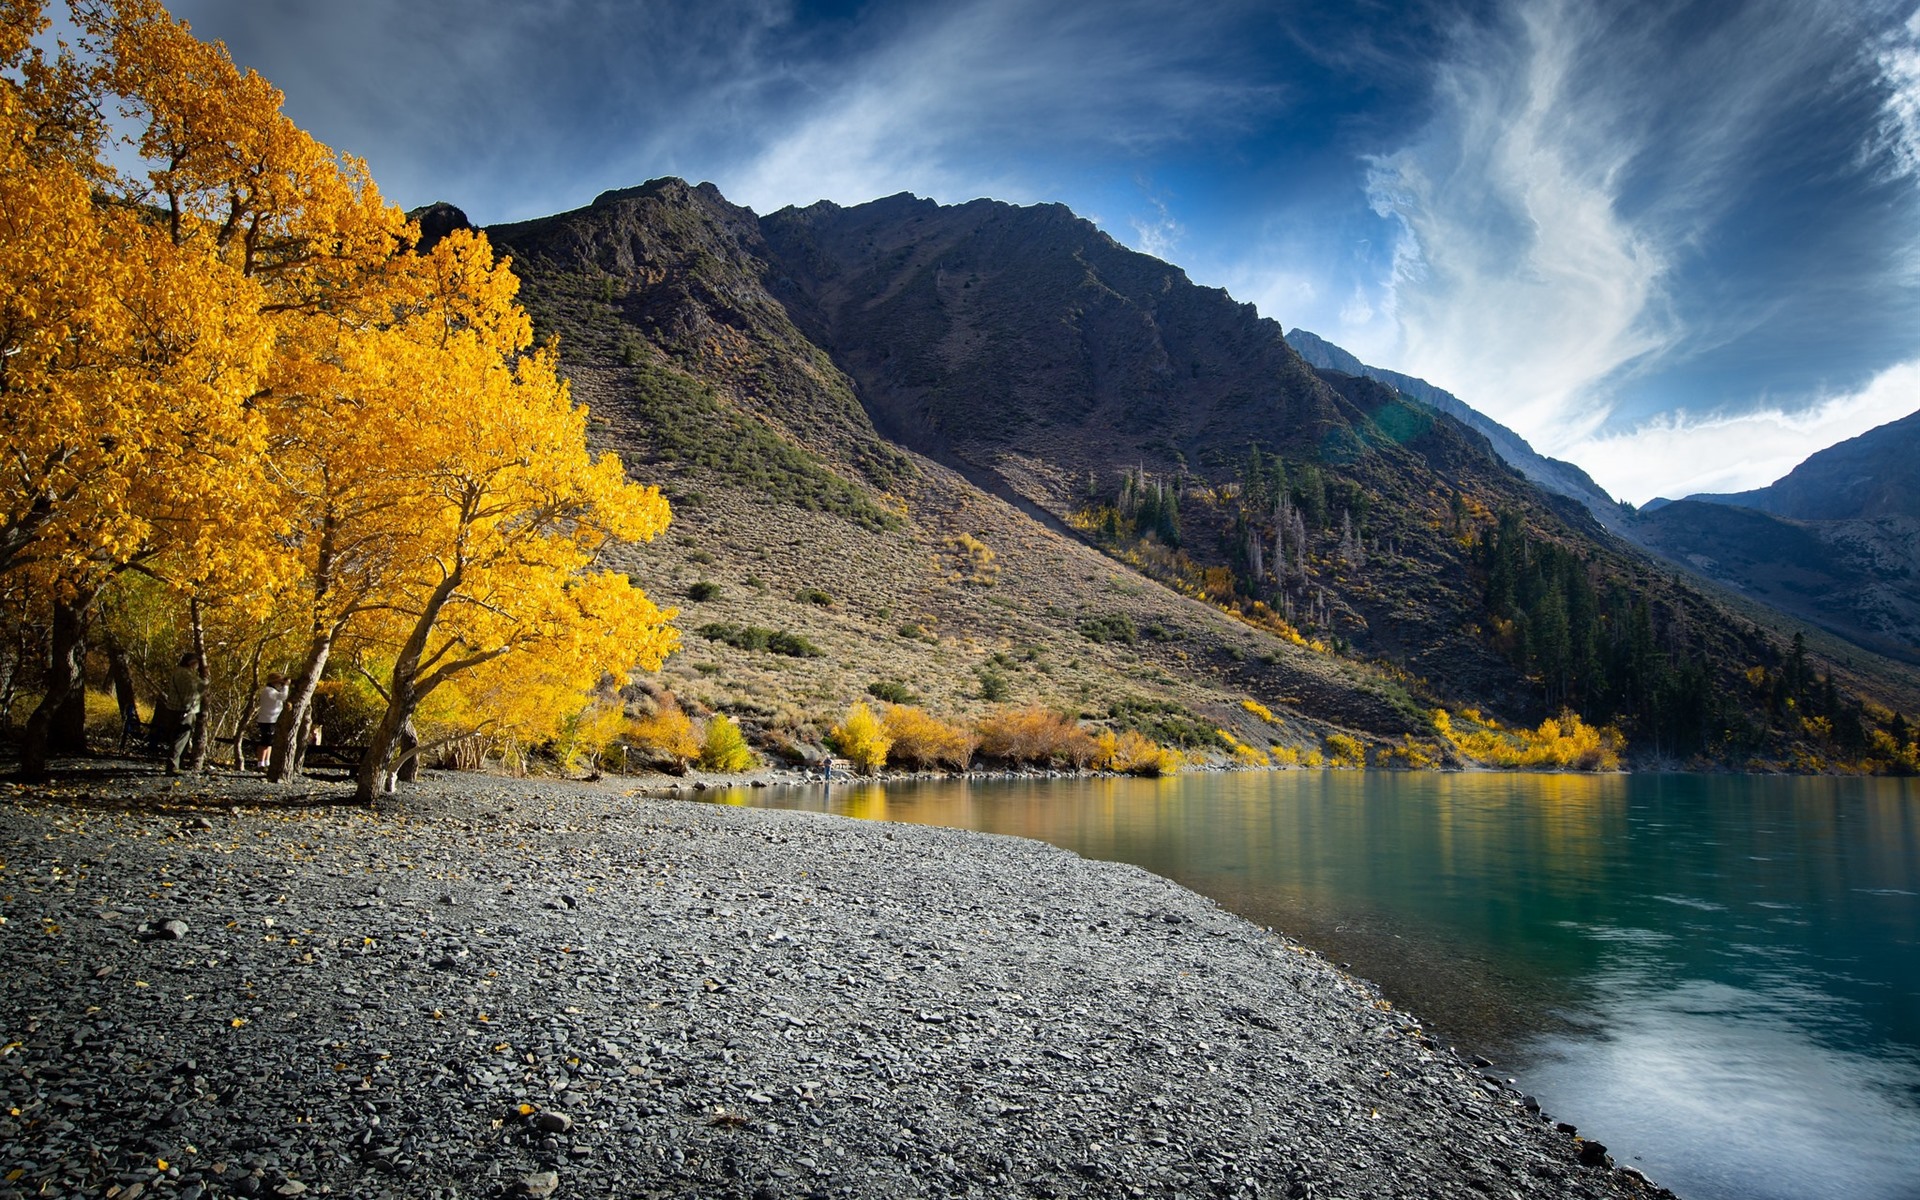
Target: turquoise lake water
(1717,976)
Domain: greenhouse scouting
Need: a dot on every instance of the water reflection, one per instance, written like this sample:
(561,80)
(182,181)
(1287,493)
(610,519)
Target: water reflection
(1717,976)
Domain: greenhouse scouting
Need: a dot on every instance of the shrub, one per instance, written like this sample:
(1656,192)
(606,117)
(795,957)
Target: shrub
(665,737)
(1036,735)
(814,596)
(723,749)
(702,557)
(1564,742)
(1245,755)
(923,740)
(705,589)
(993,685)
(586,735)
(861,739)
(1260,710)
(1165,722)
(892,691)
(1131,752)
(1344,751)
(756,637)
(1114,627)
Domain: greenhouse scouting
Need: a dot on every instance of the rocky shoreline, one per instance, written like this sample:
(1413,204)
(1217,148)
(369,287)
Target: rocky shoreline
(494,987)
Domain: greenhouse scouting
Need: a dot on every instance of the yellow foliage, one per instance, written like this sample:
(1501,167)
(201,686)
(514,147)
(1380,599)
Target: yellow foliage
(228,364)
(1260,710)
(1284,756)
(1035,735)
(923,740)
(722,748)
(1344,751)
(862,739)
(668,732)
(974,560)
(1134,753)
(1409,753)
(1566,742)
(1245,755)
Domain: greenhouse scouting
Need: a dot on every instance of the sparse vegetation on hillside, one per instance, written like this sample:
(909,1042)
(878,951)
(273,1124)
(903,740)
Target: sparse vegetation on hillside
(687,422)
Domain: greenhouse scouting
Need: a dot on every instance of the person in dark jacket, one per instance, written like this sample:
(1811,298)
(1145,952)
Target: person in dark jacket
(180,702)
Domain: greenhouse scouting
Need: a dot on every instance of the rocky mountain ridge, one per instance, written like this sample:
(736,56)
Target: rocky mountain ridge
(1836,541)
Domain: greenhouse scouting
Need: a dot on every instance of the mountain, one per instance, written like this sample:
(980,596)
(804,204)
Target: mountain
(1873,475)
(1555,475)
(983,453)
(1835,542)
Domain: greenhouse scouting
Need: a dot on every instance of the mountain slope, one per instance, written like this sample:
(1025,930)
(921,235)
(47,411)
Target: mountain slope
(1873,475)
(1555,475)
(984,451)
(1836,541)
(1859,579)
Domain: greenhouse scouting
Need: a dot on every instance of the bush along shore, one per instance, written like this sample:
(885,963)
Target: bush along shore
(492,987)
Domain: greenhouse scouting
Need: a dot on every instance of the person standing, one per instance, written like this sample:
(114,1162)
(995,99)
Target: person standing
(181,700)
(267,704)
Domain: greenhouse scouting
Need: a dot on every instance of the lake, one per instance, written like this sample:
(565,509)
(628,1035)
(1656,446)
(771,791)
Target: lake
(1717,976)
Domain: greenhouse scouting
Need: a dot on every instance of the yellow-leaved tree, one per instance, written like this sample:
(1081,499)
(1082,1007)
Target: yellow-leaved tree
(229,369)
(130,356)
(504,513)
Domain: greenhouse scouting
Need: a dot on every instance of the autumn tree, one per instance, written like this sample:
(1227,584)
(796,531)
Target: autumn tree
(130,357)
(503,513)
(228,370)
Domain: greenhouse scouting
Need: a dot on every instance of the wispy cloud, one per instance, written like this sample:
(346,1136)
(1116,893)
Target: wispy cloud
(1899,63)
(1157,234)
(1676,454)
(1518,282)
(1582,166)
(974,100)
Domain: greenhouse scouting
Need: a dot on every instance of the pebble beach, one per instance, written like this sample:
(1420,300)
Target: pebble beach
(492,987)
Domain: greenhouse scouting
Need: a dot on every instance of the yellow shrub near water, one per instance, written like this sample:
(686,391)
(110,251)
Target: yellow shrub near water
(1344,751)
(667,732)
(1564,742)
(1131,752)
(1036,735)
(723,748)
(862,739)
(923,740)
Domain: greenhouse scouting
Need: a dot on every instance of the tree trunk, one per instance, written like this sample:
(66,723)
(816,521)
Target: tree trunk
(66,685)
(409,753)
(375,775)
(296,712)
(68,733)
(290,732)
(202,720)
(123,694)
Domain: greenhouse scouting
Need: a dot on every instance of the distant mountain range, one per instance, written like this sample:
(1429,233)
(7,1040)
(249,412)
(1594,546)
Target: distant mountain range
(1835,542)
(981,454)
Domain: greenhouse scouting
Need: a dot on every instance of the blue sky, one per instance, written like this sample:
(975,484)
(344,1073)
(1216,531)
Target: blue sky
(1677,243)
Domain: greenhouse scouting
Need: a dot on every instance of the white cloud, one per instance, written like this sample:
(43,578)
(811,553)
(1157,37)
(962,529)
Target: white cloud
(961,105)
(1158,235)
(1555,211)
(1517,282)
(1899,63)
(1678,454)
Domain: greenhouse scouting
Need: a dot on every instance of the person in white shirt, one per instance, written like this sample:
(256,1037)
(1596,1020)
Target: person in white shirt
(267,704)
